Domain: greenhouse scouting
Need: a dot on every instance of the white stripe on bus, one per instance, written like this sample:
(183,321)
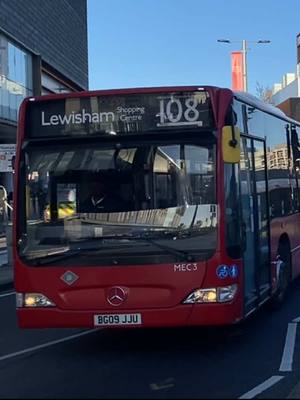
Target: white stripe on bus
(295,249)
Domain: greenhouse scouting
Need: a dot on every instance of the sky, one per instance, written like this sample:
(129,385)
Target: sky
(145,43)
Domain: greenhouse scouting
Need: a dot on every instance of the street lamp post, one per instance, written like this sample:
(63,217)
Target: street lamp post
(244,53)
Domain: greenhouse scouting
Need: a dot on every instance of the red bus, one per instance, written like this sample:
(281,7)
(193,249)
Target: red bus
(153,207)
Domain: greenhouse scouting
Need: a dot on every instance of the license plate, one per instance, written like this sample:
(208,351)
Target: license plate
(117,319)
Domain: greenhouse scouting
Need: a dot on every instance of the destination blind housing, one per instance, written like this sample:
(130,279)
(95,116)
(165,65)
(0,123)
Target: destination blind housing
(119,114)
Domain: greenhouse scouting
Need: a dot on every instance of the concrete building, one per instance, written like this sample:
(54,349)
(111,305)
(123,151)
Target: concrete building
(43,49)
(286,95)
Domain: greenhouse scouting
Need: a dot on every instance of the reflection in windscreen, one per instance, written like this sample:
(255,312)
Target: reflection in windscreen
(76,195)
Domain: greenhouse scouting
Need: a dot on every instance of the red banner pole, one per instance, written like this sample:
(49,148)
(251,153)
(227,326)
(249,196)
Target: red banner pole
(237,71)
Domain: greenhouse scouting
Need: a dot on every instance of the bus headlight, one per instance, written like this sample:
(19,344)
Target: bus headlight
(226,293)
(33,300)
(202,296)
(220,294)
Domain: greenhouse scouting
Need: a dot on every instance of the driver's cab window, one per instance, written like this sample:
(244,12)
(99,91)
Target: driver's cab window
(184,174)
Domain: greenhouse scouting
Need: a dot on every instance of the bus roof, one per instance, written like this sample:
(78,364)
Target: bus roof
(261,105)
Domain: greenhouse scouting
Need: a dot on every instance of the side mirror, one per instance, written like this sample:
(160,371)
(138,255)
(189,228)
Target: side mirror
(231,144)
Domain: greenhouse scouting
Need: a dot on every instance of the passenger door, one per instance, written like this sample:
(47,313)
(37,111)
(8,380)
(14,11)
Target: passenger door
(255,217)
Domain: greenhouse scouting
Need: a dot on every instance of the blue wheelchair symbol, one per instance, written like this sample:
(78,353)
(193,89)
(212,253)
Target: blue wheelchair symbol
(222,271)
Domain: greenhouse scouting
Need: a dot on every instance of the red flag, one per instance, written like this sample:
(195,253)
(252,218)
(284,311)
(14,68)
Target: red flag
(237,71)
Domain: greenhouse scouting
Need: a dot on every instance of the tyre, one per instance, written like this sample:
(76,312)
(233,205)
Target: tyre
(284,273)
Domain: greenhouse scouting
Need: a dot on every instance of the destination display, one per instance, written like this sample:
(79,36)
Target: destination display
(123,114)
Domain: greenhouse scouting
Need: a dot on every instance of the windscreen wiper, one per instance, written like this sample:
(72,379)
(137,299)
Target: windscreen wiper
(84,245)
(182,254)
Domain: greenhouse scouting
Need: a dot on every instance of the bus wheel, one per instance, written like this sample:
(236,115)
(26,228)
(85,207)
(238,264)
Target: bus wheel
(284,273)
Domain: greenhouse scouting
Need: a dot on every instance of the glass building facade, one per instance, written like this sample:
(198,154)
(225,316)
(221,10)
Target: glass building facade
(16,78)
(43,50)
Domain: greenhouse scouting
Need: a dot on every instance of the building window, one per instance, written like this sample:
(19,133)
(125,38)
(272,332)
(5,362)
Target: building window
(15,78)
(53,85)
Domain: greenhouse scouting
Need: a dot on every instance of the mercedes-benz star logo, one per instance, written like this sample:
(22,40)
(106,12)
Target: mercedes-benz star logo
(116,296)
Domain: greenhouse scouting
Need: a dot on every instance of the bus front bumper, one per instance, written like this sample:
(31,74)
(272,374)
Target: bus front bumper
(182,315)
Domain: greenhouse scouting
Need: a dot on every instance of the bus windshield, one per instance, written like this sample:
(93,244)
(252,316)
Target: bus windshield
(115,203)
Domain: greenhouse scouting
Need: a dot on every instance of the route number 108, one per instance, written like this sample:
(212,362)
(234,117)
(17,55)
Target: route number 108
(179,111)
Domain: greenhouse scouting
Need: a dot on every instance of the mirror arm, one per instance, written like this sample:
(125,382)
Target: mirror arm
(233,142)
